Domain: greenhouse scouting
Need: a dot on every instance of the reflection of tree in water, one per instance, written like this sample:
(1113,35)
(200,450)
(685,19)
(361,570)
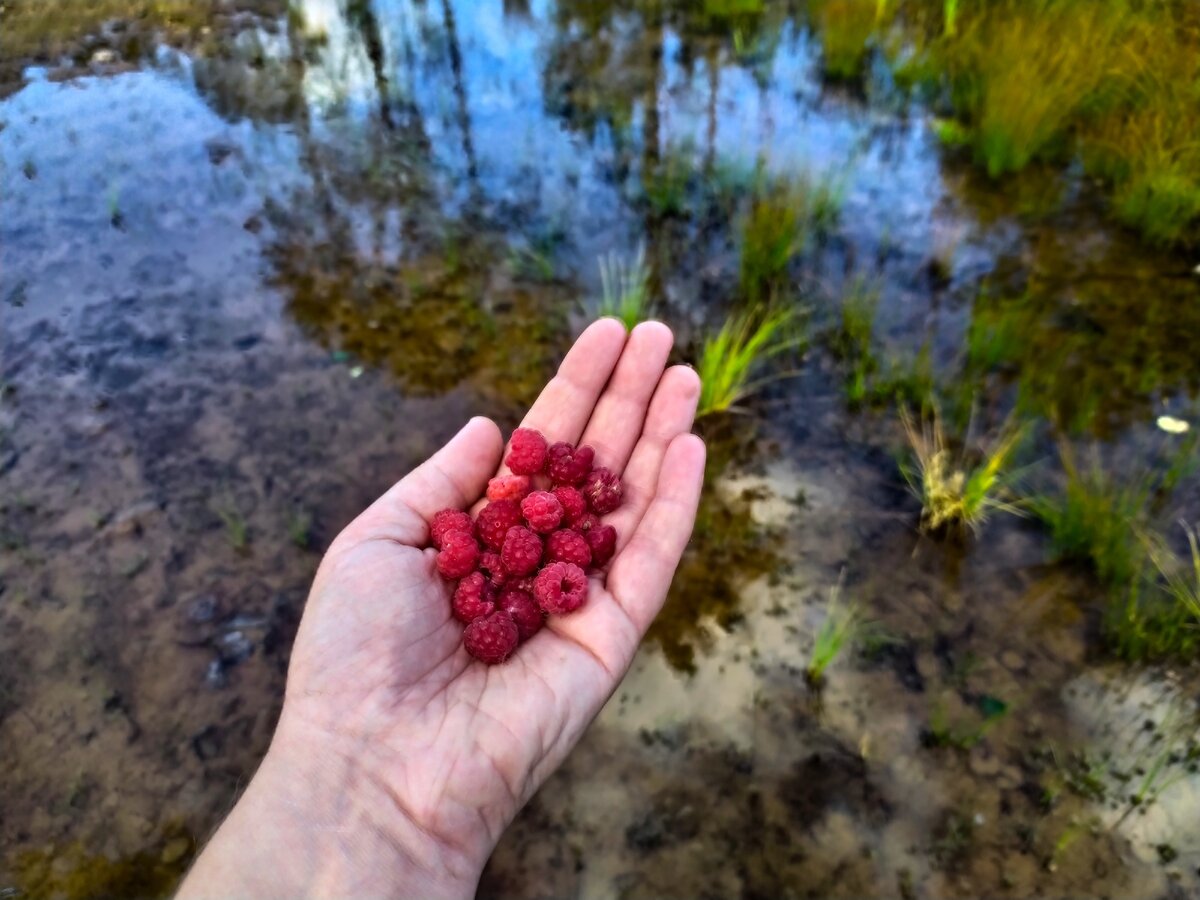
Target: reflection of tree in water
(369,255)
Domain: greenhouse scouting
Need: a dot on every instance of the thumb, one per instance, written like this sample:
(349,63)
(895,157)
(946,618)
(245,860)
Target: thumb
(455,477)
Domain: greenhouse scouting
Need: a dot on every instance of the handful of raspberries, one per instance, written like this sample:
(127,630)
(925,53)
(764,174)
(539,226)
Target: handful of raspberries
(526,554)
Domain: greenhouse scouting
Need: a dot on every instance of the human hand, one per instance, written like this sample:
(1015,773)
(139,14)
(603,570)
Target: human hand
(399,760)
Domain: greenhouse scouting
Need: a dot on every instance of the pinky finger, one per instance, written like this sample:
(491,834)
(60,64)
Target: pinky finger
(641,574)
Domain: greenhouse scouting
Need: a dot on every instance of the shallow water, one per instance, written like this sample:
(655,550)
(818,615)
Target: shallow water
(248,281)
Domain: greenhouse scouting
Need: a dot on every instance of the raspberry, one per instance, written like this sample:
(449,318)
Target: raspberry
(573,503)
(494,520)
(526,452)
(524,611)
(568,546)
(585,523)
(603,490)
(472,599)
(491,565)
(523,584)
(560,587)
(522,551)
(567,464)
(492,638)
(458,555)
(602,541)
(446,521)
(508,487)
(542,511)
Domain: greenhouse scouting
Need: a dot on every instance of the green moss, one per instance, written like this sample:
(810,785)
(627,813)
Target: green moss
(32,27)
(73,874)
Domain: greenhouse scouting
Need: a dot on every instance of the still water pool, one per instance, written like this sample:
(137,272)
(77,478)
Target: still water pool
(255,267)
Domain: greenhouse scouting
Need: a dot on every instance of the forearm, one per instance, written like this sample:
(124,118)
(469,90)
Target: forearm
(321,827)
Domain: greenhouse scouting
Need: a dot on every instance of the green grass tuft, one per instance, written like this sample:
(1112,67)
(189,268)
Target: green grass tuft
(625,287)
(957,491)
(729,358)
(1097,521)
(841,626)
(783,217)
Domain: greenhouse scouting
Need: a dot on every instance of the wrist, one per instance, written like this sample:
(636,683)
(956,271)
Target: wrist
(316,821)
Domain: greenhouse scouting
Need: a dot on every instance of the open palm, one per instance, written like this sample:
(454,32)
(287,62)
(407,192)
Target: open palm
(379,671)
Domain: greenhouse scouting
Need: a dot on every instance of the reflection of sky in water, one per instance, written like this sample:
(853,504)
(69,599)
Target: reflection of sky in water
(525,154)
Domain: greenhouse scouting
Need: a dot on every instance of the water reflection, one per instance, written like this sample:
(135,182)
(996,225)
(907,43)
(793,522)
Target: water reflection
(360,216)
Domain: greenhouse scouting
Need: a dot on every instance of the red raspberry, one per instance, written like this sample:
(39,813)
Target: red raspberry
(568,546)
(522,551)
(585,523)
(446,521)
(526,452)
(523,584)
(567,464)
(542,511)
(524,611)
(492,638)
(573,503)
(494,520)
(560,588)
(472,599)
(602,541)
(508,487)
(603,490)
(458,555)
(490,565)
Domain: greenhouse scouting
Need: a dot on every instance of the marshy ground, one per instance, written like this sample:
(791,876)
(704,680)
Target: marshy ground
(259,259)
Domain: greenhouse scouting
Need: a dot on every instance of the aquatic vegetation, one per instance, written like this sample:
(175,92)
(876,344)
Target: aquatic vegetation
(1097,520)
(729,359)
(967,731)
(846,28)
(1147,147)
(957,490)
(994,338)
(1183,581)
(49,25)
(300,528)
(783,216)
(727,550)
(841,624)
(904,382)
(665,186)
(852,340)
(1019,85)
(72,873)
(625,287)
(1158,618)
(237,530)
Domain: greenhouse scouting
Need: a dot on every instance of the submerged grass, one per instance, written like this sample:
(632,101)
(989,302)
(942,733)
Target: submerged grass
(730,358)
(847,28)
(852,340)
(842,624)
(957,491)
(1159,617)
(625,288)
(784,215)
(1097,521)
